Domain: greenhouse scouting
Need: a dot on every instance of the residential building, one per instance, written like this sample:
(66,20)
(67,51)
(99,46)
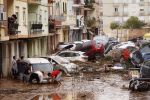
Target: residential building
(120,10)
(57,31)
(37,27)
(3,38)
(92,18)
(76,30)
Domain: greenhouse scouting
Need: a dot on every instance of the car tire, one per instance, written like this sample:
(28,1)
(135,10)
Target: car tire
(34,78)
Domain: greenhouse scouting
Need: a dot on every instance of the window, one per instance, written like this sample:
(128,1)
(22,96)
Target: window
(17,13)
(40,16)
(116,9)
(141,9)
(24,16)
(63,7)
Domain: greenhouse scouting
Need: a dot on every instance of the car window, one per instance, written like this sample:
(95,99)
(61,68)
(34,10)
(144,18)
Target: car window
(72,55)
(62,54)
(137,57)
(46,67)
(145,49)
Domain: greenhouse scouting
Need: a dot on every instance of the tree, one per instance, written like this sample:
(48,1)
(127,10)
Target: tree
(114,25)
(133,23)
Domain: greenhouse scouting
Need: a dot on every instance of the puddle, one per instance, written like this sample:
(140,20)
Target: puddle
(68,96)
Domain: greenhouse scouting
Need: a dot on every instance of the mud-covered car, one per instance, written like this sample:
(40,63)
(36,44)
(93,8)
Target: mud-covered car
(62,63)
(36,65)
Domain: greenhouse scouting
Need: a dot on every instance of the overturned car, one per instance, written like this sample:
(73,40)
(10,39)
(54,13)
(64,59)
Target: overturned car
(34,70)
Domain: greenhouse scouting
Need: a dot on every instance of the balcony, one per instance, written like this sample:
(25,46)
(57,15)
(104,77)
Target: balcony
(142,13)
(59,17)
(141,4)
(78,3)
(34,2)
(125,14)
(89,4)
(36,29)
(13,28)
(53,24)
(116,14)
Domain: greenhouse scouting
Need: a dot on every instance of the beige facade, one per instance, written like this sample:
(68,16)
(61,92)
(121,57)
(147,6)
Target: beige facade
(121,10)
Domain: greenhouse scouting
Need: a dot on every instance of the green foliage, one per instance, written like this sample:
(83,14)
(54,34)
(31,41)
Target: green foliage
(90,22)
(114,25)
(133,23)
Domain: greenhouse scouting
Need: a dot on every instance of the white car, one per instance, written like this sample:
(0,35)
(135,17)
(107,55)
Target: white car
(71,67)
(124,45)
(37,65)
(73,55)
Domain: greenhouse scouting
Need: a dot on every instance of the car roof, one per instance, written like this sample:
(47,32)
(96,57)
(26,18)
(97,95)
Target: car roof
(37,60)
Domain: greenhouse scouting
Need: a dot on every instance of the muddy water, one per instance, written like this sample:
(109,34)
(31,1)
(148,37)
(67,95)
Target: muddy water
(84,87)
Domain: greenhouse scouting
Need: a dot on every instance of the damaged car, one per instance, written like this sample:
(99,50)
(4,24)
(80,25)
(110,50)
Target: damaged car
(62,63)
(40,66)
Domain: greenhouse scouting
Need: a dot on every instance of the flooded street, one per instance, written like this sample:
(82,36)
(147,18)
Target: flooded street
(83,87)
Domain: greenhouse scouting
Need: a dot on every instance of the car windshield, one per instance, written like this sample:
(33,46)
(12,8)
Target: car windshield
(145,49)
(45,67)
(61,60)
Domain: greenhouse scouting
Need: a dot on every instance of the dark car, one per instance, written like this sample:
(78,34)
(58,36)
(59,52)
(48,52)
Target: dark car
(92,49)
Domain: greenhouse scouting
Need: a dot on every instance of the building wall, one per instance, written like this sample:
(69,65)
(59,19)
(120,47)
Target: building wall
(22,9)
(126,9)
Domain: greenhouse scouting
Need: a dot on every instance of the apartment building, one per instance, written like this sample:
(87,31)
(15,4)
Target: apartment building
(37,27)
(3,37)
(120,10)
(57,29)
(92,18)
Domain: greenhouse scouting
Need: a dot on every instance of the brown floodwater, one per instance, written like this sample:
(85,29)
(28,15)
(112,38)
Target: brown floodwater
(83,87)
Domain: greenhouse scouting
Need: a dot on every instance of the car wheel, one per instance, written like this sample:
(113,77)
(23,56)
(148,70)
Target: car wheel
(34,78)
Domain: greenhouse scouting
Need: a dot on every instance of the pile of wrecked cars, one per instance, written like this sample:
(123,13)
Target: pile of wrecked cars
(140,74)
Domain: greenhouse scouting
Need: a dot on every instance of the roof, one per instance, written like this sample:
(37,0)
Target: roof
(37,60)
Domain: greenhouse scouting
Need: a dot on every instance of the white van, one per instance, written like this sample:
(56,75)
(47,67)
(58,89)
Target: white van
(40,66)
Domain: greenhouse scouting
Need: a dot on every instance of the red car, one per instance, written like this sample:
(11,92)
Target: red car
(92,49)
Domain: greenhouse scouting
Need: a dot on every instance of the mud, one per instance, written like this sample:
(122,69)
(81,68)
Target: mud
(86,86)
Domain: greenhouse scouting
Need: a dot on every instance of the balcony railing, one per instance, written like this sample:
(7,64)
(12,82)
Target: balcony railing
(13,28)
(53,24)
(142,13)
(36,28)
(34,2)
(88,4)
(141,4)
(116,13)
(58,17)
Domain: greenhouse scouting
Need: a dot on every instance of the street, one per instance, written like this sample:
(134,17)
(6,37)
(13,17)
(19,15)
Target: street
(104,86)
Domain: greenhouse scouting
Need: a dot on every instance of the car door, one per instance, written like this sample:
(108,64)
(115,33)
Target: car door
(74,56)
